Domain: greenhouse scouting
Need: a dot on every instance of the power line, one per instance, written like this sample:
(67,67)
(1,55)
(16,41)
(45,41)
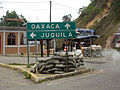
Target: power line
(47,2)
(65,6)
(25,9)
(29,2)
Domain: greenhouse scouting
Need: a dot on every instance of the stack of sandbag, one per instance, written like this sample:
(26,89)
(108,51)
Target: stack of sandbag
(58,64)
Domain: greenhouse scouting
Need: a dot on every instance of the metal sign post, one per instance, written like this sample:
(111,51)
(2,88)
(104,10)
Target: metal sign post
(28,52)
(36,55)
(66,55)
(90,49)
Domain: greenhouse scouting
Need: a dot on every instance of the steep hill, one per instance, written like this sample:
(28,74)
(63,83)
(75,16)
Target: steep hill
(103,16)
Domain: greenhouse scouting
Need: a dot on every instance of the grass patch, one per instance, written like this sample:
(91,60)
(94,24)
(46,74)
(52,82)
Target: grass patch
(41,81)
(15,64)
(28,66)
(20,64)
(27,76)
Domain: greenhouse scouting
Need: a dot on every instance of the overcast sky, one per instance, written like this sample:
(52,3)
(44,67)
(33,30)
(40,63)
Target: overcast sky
(38,10)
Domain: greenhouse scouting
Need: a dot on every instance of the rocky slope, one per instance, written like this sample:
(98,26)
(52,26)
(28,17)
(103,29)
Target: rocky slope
(103,16)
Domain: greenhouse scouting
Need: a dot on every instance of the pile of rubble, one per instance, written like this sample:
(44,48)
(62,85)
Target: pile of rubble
(59,63)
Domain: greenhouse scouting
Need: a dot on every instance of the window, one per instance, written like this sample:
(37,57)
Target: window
(22,40)
(11,39)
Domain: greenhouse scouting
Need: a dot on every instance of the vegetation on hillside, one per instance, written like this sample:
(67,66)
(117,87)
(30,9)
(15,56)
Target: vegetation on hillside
(88,13)
(106,26)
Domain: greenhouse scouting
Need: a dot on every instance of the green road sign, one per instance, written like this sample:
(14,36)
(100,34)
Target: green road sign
(51,34)
(51,26)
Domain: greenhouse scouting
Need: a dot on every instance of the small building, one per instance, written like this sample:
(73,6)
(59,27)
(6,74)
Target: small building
(13,41)
(117,40)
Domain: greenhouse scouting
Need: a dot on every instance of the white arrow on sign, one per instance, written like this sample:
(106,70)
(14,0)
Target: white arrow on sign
(32,35)
(67,25)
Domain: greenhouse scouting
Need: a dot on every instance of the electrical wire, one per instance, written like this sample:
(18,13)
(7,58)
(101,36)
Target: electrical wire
(47,2)
(53,3)
(65,6)
(27,9)
(29,2)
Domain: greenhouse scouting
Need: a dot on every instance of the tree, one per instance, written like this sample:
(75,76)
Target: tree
(67,18)
(92,0)
(13,19)
(81,9)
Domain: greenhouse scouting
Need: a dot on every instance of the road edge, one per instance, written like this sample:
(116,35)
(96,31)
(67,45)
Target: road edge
(37,79)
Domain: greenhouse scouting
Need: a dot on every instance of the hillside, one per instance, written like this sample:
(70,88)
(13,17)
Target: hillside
(103,16)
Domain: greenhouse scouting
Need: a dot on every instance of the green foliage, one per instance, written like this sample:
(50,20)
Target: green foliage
(41,81)
(67,18)
(13,15)
(15,64)
(21,64)
(81,10)
(107,25)
(88,13)
(27,76)
(101,4)
(28,66)
(115,10)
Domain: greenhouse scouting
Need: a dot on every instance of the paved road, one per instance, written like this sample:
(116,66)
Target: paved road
(21,60)
(107,77)
(11,80)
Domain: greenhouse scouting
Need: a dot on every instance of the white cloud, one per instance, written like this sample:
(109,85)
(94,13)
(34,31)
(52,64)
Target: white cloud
(38,10)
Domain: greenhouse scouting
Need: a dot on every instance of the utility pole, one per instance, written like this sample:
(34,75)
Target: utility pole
(36,55)
(50,9)
(48,43)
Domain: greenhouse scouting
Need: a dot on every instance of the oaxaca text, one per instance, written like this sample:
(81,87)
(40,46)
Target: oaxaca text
(45,26)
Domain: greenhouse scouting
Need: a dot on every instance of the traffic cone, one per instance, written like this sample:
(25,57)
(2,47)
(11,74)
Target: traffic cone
(65,49)
(81,50)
